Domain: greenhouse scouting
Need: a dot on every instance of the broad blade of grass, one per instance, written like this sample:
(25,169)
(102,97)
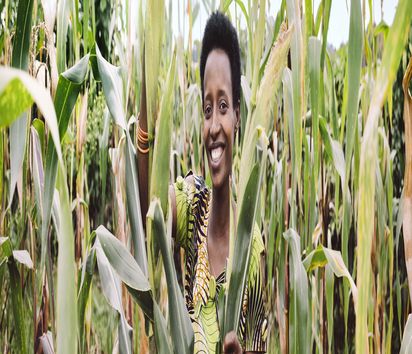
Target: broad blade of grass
(112,291)
(298,55)
(299,339)
(112,88)
(127,269)
(84,293)
(322,256)
(66,272)
(161,161)
(153,53)
(63,12)
(355,47)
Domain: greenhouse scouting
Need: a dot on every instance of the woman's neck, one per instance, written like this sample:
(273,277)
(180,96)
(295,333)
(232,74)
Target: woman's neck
(219,222)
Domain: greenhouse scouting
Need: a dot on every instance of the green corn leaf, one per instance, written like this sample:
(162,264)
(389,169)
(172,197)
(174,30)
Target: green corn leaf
(127,269)
(163,344)
(67,91)
(355,47)
(6,249)
(239,258)
(180,324)
(333,150)
(36,167)
(161,161)
(113,92)
(323,256)
(63,13)
(154,29)
(84,292)
(299,340)
(112,88)
(112,291)
(66,324)
(14,81)
(18,307)
(133,207)
(21,43)
(297,54)
(314,53)
(258,42)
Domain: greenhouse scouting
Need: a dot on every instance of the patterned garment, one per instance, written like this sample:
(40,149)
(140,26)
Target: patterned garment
(201,287)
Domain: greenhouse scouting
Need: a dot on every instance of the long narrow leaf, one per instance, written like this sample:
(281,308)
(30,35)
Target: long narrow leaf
(66,272)
(180,325)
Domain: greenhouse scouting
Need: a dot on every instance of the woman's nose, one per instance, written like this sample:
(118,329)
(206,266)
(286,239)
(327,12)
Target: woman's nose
(215,128)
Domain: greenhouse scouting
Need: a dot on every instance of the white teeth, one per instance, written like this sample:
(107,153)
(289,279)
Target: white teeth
(216,153)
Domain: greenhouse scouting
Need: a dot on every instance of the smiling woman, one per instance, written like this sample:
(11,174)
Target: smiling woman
(201,215)
(269,221)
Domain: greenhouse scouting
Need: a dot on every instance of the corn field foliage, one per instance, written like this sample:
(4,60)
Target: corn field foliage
(323,164)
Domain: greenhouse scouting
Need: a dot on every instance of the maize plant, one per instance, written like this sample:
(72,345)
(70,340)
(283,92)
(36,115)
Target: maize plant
(323,166)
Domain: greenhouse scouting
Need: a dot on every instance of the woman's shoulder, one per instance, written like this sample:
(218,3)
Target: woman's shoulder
(191,181)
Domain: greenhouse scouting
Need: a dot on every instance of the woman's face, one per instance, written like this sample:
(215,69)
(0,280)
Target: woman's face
(221,117)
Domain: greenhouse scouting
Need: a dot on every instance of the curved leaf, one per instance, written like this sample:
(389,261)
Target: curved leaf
(128,270)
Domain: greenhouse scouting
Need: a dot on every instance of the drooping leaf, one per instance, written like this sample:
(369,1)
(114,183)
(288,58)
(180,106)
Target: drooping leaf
(111,287)
(323,256)
(29,91)
(127,269)
(112,88)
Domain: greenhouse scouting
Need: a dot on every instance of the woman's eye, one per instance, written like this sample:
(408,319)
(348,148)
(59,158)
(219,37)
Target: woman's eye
(222,106)
(208,111)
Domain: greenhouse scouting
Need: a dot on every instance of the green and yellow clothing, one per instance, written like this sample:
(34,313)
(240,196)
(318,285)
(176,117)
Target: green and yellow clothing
(193,201)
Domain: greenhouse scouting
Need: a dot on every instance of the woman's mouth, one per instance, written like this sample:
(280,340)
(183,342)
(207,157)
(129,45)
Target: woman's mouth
(216,153)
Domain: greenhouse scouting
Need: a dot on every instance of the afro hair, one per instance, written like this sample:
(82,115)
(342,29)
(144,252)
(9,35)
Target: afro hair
(220,34)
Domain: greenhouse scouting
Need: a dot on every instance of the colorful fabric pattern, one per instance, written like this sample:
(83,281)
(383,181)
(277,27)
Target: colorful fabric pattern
(200,286)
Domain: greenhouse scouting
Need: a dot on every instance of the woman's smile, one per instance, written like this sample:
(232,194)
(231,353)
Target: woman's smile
(216,152)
